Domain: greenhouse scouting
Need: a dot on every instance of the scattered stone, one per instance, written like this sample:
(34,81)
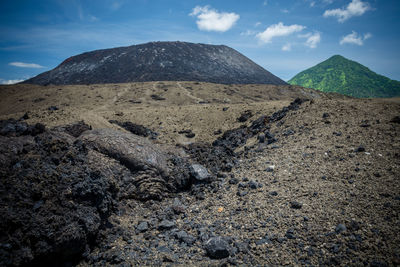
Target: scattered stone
(325,115)
(142,227)
(395,119)
(273,193)
(290,234)
(225,108)
(53,108)
(241,193)
(340,228)
(190,135)
(365,124)
(234,181)
(25,116)
(270,168)
(135,128)
(185,237)
(40,99)
(133,101)
(76,129)
(157,97)
(217,248)
(261,137)
(361,148)
(218,132)
(254,185)
(200,173)
(166,225)
(296,205)
(245,116)
(288,132)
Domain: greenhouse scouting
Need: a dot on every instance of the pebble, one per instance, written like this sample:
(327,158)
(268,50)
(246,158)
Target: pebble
(273,193)
(185,237)
(270,168)
(217,248)
(199,172)
(142,227)
(340,228)
(242,193)
(296,205)
(360,149)
(233,181)
(166,225)
(290,234)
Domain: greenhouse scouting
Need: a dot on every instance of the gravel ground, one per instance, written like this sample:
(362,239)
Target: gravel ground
(316,185)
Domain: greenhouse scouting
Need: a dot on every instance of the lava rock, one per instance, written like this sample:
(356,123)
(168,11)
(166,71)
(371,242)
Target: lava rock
(157,97)
(234,181)
(288,132)
(361,148)
(395,119)
(340,228)
(199,172)
(270,168)
(142,227)
(135,128)
(185,237)
(166,225)
(245,116)
(296,205)
(261,137)
(53,108)
(217,248)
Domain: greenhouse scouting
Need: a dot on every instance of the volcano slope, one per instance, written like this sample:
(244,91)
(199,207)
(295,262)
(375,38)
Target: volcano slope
(249,174)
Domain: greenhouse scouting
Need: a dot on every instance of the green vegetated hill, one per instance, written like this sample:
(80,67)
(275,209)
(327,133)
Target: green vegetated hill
(341,75)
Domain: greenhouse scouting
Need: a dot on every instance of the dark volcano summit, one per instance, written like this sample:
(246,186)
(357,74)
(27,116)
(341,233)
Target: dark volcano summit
(159,61)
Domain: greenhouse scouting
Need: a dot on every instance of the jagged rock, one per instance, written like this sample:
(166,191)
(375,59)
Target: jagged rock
(245,116)
(62,200)
(217,248)
(67,187)
(135,128)
(199,172)
(147,162)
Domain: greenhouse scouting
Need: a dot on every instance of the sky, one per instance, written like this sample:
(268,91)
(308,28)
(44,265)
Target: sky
(283,36)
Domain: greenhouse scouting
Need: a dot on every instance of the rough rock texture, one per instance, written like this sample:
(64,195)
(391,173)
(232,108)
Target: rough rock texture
(159,61)
(150,166)
(57,192)
(52,202)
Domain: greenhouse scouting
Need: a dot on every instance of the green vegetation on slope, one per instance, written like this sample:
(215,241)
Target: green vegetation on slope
(340,75)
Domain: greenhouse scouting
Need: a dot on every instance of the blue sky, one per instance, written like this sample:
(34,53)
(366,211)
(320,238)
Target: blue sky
(283,36)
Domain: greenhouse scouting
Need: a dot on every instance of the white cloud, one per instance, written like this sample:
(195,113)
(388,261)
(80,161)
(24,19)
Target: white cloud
(313,40)
(257,24)
(312,4)
(355,38)
(354,8)
(287,47)
(211,20)
(2,81)
(367,36)
(25,65)
(248,33)
(265,3)
(285,11)
(277,30)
